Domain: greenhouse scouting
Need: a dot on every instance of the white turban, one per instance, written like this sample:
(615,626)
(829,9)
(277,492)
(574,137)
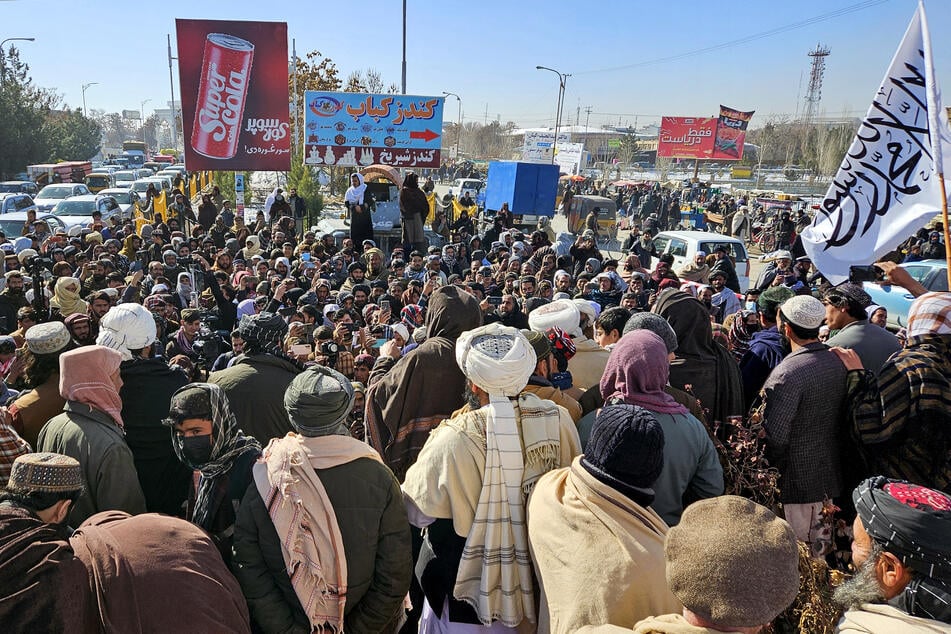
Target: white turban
(496,358)
(561,313)
(127,327)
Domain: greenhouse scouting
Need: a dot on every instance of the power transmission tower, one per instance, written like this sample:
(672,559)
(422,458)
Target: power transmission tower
(814,90)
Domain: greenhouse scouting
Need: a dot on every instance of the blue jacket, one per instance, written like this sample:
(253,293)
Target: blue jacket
(765,353)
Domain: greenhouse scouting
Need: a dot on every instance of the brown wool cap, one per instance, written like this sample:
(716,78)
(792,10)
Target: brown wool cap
(732,562)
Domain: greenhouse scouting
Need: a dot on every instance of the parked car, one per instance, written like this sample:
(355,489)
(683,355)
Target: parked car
(78,209)
(129,200)
(683,245)
(16,202)
(47,198)
(126,175)
(932,274)
(19,187)
(12,224)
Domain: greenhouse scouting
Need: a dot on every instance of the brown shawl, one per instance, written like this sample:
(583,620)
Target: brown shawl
(154,573)
(44,585)
(424,387)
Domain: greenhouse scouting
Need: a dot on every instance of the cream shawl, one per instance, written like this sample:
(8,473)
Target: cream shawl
(305,520)
(598,555)
(448,481)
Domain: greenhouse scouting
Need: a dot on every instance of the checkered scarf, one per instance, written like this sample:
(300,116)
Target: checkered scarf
(930,314)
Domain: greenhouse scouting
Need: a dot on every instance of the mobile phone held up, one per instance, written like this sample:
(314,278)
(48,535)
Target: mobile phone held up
(870,273)
(494,300)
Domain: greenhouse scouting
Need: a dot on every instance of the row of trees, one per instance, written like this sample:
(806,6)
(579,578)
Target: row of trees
(35,127)
(817,148)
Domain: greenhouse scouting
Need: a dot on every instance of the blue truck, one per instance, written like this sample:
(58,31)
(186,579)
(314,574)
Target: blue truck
(530,189)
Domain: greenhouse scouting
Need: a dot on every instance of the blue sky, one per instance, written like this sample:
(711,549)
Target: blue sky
(487,51)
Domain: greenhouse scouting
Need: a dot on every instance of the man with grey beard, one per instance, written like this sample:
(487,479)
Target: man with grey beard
(902,549)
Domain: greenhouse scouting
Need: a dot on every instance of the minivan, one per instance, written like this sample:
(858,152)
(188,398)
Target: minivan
(683,245)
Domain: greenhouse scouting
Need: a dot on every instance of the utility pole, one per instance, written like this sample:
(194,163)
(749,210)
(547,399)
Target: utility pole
(171,85)
(404,47)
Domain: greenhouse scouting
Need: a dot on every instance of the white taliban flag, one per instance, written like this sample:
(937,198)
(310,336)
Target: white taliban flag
(887,186)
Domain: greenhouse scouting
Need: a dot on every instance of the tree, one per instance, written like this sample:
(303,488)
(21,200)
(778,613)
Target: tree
(304,179)
(24,109)
(72,135)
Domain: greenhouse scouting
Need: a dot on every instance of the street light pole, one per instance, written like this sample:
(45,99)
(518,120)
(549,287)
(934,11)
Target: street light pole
(12,39)
(404,47)
(562,82)
(142,118)
(85,86)
(459,120)
(171,85)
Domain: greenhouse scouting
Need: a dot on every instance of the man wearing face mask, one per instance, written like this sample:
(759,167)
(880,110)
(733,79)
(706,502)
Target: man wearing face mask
(766,347)
(12,299)
(207,439)
(37,563)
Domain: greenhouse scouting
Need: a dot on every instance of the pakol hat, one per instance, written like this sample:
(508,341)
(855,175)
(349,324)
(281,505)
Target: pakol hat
(45,473)
(732,562)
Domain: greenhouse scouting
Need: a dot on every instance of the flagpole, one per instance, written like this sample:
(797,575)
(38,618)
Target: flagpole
(944,221)
(937,117)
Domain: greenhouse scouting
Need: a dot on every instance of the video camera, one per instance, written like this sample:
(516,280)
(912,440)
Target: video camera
(331,350)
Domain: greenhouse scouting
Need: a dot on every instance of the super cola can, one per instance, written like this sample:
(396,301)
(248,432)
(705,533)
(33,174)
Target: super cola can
(222,93)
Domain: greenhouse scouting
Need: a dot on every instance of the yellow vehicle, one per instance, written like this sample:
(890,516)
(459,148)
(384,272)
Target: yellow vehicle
(98,181)
(582,205)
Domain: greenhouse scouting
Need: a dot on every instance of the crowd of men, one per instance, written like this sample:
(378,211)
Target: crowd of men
(226,426)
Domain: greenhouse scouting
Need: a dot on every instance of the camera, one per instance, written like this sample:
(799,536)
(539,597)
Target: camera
(330,350)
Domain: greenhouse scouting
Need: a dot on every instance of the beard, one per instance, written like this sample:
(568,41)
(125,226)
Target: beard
(470,397)
(863,587)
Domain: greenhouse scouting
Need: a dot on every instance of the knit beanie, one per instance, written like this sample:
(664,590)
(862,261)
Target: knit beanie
(732,562)
(127,327)
(626,451)
(654,323)
(772,298)
(318,402)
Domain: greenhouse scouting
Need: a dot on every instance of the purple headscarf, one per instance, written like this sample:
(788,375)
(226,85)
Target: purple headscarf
(637,373)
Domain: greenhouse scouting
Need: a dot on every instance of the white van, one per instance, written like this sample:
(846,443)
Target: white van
(683,245)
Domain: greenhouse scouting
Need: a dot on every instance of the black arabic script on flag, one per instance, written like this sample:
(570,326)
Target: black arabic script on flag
(889,159)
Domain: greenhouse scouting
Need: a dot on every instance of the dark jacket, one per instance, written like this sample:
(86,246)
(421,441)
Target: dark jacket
(725,265)
(765,353)
(147,388)
(9,305)
(255,386)
(95,440)
(226,499)
(367,502)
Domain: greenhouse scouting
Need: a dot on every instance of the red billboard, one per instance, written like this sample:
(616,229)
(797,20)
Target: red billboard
(235,112)
(687,137)
(731,133)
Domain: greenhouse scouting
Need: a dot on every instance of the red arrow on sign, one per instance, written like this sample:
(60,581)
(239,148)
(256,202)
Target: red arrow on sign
(426,135)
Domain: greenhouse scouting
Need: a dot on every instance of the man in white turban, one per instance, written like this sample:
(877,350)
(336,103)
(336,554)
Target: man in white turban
(470,484)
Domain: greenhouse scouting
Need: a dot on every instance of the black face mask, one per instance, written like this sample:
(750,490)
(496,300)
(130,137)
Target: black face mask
(196,450)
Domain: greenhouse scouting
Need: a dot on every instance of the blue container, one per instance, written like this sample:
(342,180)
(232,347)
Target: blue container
(528,188)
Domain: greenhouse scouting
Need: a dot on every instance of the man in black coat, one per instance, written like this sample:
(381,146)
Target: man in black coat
(725,264)
(147,387)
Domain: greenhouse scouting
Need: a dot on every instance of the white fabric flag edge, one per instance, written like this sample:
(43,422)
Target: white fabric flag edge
(904,217)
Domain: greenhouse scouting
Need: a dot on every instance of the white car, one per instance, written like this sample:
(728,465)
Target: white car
(462,185)
(78,210)
(50,195)
(128,199)
(683,245)
(126,175)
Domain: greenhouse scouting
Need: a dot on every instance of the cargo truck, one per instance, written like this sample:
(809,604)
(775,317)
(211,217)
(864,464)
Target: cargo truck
(530,189)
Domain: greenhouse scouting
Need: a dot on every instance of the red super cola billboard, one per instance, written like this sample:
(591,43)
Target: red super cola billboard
(235,112)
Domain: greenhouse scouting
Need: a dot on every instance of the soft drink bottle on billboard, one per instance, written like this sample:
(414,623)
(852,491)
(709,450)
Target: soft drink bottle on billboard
(222,93)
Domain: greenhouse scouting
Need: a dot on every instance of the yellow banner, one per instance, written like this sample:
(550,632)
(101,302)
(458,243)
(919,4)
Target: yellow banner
(457,209)
(431,199)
